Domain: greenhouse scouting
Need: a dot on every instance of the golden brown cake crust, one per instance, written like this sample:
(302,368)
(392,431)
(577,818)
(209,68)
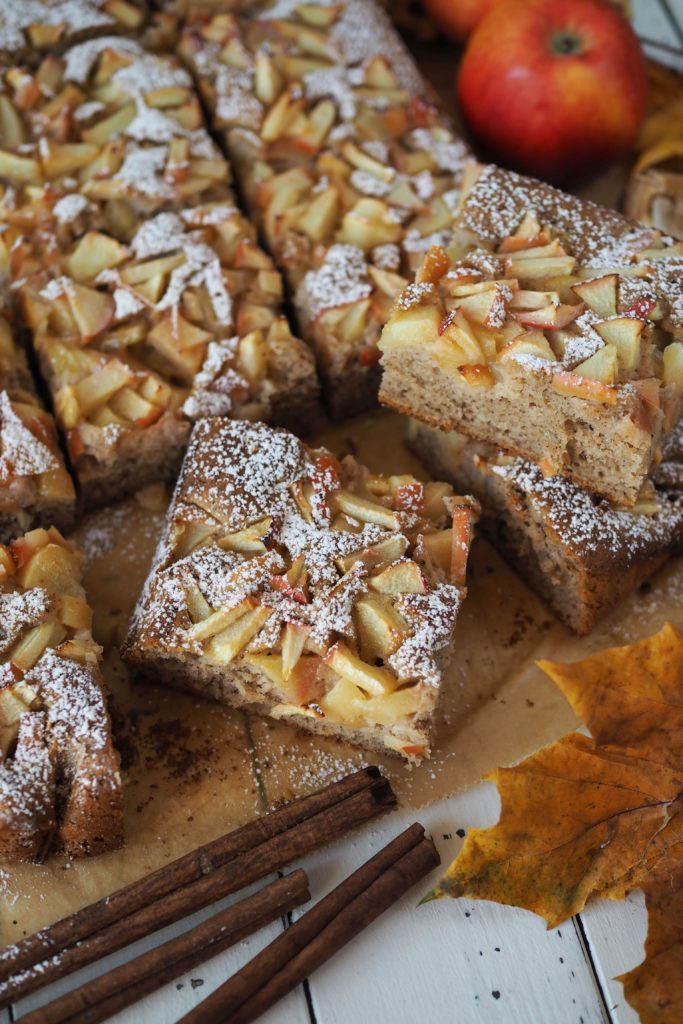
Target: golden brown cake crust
(287,550)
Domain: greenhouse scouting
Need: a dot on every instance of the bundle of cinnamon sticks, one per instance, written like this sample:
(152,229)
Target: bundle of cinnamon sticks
(206,875)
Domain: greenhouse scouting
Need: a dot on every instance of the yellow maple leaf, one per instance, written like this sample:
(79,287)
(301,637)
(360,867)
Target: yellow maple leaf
(598,816)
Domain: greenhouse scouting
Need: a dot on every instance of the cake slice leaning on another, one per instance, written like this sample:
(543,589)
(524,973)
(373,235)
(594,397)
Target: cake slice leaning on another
(305,588)
(550,329)
(577,551)
(60,784)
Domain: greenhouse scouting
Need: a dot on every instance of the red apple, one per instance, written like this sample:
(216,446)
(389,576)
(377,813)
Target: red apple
(457,18)
(554,88)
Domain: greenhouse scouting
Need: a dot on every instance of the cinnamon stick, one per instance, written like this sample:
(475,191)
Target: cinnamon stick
(321,932)
(168,899)
(72,929)
(109,994)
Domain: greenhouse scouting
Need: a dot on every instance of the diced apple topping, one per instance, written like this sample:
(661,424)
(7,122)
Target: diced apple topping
(469,319)
(673,365)
(47,564)
(603,366)
(372,680)
(366,511)
(401,577)
(599,294)
(226,645)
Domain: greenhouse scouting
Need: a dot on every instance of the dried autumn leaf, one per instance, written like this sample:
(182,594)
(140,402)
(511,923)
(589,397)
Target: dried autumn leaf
(599,815)
(654,988)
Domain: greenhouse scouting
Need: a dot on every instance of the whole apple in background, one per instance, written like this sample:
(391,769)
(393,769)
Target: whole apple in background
(554,88)
(457,18)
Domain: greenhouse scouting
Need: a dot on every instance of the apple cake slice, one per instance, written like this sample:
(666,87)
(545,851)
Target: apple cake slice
(134,339)
(31,27)
(305,588)
(344,161)
(550,328)
(35,488)
(107,133)
(60,784)
(580,553)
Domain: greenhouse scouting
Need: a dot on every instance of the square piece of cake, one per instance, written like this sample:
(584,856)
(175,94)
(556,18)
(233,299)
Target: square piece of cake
(60,783)
(305,588)
(579,552)
(549,329)
(134,340)
(345,162)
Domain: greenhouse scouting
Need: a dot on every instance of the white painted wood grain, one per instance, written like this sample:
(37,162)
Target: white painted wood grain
(652,22)
(461,960)
(616,933)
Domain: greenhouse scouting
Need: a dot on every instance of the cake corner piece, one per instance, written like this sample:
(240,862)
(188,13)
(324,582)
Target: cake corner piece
(306,588)
(60,780)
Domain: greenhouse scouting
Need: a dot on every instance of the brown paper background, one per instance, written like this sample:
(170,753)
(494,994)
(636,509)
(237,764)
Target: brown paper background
(194,769)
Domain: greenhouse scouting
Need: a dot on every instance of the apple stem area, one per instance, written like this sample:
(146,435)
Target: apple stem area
(566,44)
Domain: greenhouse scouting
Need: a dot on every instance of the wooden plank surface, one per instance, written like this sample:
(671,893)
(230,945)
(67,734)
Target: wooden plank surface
(615,933)
(451,960)
(662,22)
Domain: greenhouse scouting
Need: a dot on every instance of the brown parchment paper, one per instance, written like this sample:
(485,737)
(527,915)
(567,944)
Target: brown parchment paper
(194,769)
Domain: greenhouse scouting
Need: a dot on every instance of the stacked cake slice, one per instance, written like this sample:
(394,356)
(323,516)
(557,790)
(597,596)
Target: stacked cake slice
(344,161)
(146,293)
(578,551)
(549,330)
(306,588)
(60,786)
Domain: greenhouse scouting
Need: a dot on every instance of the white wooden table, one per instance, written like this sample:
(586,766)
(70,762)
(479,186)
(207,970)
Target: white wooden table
(449,961)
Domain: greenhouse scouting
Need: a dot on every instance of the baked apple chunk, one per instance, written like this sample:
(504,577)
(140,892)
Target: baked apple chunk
(582,554)
(136,339)
(550,327)
(306,588)
(60,783)
(346,164)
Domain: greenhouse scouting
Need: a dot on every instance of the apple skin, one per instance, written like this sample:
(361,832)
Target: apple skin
(553,114)
(457,18)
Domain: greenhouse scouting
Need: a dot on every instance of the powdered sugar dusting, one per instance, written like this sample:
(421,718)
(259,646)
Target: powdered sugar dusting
(216,383)
(591,524)
(21,452)
(69,207)
(341,279)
